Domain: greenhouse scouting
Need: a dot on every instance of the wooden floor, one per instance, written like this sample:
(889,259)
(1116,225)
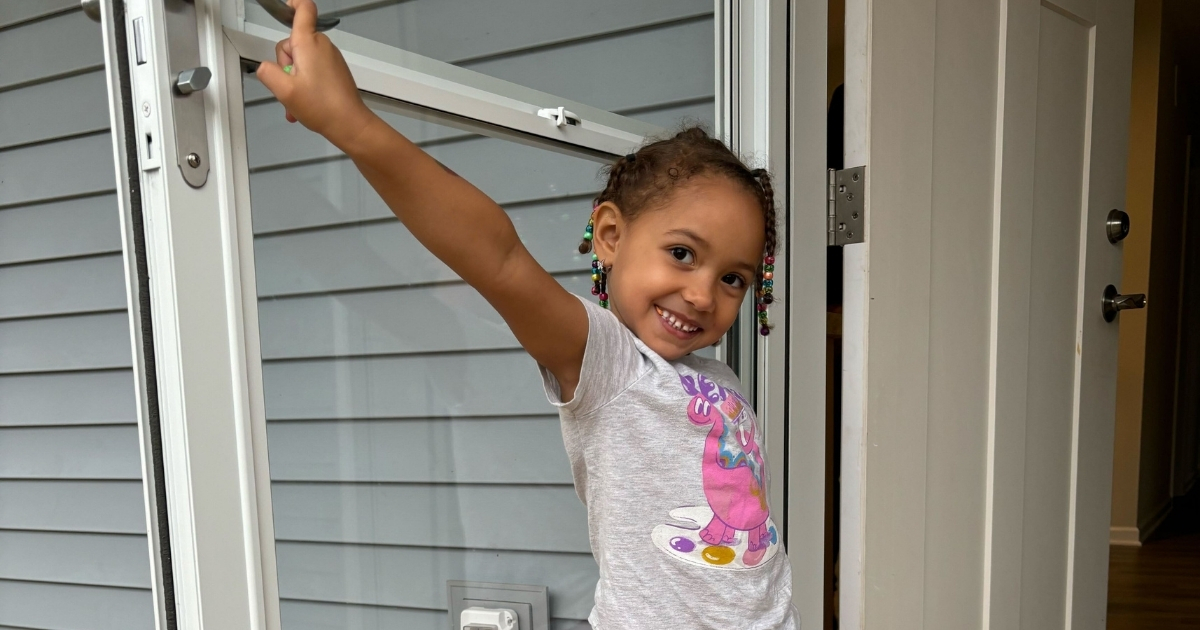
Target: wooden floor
(1157,586)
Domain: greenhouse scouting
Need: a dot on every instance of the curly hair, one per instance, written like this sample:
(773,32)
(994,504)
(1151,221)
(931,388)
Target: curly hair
(649,176)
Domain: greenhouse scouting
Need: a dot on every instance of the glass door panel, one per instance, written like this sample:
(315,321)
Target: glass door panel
(652,61)
(409,439)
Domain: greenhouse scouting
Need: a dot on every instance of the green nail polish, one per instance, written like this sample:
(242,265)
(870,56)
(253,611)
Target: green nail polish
(287,69)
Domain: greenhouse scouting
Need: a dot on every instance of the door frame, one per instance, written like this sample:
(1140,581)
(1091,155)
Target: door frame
(208,482)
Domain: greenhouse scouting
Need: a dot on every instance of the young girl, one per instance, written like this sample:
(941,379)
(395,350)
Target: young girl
(664,449)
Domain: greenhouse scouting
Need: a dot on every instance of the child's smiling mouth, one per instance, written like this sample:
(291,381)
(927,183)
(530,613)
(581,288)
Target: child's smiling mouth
(677,324)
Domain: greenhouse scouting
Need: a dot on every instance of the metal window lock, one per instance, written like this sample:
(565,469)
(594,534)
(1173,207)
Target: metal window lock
(476,618)
(193,80)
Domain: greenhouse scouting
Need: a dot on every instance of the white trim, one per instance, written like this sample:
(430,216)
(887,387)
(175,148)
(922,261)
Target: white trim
(1124,536)
(856,269)
(253,439)
(1082,306)
(255,477)
(803,379)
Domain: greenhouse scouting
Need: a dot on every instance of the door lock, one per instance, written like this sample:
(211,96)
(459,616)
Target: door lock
(1117,226)
(1114,302)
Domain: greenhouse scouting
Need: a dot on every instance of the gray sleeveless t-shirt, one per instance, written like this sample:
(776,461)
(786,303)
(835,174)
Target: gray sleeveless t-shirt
(666,455)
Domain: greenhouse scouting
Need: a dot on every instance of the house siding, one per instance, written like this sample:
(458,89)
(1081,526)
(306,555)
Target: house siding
(73,550)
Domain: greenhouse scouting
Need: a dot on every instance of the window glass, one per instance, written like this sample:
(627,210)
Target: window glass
(410,442)
(653,61)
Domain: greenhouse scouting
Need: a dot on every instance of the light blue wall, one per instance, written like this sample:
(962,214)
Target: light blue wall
(73,550)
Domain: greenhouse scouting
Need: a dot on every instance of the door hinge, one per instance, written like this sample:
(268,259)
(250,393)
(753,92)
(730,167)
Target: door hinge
(847,213)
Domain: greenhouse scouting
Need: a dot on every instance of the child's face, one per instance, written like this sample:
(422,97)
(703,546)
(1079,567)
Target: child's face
(691,260)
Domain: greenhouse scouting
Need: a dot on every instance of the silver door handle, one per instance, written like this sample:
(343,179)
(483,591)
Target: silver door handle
(285,14)
(1115,302)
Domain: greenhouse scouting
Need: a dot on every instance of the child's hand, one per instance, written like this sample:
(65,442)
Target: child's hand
(319,91)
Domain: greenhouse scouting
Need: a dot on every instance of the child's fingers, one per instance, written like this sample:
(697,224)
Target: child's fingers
(274,78)
(305,22)
(283,52)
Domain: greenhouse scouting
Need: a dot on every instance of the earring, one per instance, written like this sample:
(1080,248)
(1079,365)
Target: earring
(766,288)
(599,271)
(600,281)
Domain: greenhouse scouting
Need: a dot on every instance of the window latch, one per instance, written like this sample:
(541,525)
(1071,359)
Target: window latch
(560,116)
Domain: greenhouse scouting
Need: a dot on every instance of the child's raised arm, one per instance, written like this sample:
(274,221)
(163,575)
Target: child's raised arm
(453,219)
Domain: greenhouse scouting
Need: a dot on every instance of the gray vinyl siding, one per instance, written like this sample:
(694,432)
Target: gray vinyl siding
(410,440)
(73,550)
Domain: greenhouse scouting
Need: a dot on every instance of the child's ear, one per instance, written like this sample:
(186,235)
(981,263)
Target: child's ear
(608,227)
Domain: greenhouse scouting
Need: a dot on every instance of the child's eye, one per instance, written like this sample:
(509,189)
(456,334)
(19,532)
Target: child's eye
(734,280)
(683,255)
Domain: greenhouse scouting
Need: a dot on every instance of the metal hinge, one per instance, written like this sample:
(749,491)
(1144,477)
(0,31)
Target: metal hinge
(847,214)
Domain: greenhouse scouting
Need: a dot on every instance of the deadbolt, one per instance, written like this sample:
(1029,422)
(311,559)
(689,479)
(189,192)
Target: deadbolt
(1117,225)
(1115,302)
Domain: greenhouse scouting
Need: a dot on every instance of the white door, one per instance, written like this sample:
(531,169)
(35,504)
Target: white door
(342,425)
(980,370)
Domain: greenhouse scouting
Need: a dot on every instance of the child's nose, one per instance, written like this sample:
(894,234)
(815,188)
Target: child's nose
(700,297)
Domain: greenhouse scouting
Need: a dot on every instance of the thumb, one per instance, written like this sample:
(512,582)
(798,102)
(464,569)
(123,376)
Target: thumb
(273,76)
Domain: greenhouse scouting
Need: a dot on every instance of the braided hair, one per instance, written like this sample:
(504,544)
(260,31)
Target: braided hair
(648,177)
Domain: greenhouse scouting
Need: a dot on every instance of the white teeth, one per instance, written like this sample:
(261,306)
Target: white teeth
(671,319)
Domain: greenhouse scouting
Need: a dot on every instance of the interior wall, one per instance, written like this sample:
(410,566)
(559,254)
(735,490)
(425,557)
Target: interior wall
(1162,315)
(1139,203)
(1153,255)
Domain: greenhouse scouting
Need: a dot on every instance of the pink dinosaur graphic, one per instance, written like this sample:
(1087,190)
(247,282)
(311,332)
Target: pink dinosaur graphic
(732,468)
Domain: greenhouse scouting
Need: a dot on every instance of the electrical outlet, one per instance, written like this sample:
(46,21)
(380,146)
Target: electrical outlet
(531,603)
